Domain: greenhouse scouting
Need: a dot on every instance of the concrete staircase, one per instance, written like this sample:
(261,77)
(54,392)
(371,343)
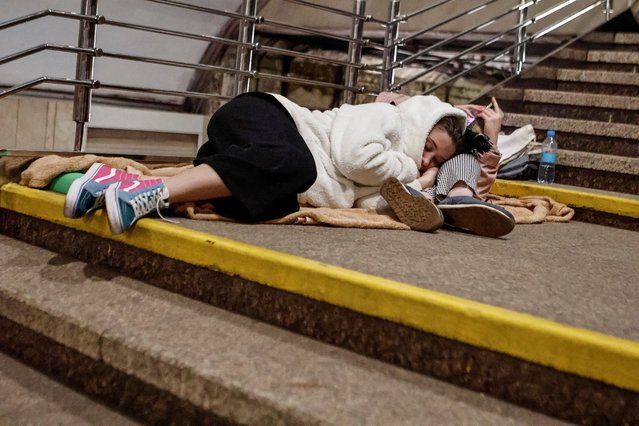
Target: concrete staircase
(589,94)
(215,323)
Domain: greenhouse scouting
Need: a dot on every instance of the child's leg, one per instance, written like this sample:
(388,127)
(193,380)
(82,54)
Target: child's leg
(196,184)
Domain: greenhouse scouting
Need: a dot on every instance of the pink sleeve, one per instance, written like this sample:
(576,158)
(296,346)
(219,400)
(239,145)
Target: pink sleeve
(390,97)
(489,163)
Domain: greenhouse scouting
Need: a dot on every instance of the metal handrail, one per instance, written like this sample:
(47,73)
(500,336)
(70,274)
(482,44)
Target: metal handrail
(49,12)
(489,41)
(245,71)
(517,44)
(49,46)
(416,34)
(53,80)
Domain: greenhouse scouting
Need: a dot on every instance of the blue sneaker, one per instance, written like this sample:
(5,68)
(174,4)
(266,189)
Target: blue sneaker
(476,216)
(87,193)
(411,206)
(126,202)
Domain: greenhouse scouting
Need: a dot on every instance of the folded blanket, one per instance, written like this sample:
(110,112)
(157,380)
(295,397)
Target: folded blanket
(43,170)
(530,209)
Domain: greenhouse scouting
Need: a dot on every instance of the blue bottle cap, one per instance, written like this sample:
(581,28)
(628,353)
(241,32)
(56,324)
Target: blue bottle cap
(550,133)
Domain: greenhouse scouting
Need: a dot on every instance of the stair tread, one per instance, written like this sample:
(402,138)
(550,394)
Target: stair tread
(585,76)
(596,161)
(588,191)
(569,98)
(594,55)
(598,128)
(244,370)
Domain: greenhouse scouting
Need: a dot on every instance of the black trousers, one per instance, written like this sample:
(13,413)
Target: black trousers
(258,152)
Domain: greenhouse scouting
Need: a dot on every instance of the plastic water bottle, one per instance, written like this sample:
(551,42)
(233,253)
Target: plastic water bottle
(548,159)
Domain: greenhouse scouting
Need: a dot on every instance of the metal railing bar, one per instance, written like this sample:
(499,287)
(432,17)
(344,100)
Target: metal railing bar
(452,58)
(566,20)
(278,24)
(475,28)
(179,64)
(413,14)
(552,10)
(365,18)
(49,46)
(446,21)
(52,80)
(294,53)
(166,92)
(307,82)
(517,44)
(205,9)
(50,12)
(480,45)
(174,33)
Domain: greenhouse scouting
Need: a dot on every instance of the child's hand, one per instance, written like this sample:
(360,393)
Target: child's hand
(492,121)
(428,178)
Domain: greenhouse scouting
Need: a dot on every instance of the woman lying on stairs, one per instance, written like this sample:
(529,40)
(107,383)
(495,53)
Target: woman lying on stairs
(267,155)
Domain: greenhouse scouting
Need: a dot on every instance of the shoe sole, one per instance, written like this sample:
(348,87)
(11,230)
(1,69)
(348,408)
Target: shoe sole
(113,212)
(480,220)
(417,212)
(72,197)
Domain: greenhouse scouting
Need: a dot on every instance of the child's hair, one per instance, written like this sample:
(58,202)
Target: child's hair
(465,140)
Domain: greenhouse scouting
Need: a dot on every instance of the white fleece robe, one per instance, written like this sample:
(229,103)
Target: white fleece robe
(357,148)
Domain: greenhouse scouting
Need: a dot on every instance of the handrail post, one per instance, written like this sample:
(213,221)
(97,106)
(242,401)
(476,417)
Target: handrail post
(244,55)
(354,51)
(390,48)
(608,9)
(84,71)
(522,33)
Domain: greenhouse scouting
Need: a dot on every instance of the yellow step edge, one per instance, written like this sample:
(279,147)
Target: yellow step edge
(581,199)
(570,349)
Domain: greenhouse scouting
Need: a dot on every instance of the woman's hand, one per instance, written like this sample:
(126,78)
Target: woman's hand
(427,179)
(492,121)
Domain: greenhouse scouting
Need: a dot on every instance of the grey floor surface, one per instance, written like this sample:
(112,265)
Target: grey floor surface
(574,273)
(297,373)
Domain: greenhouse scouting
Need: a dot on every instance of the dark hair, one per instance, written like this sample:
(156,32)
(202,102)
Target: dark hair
(450,125)
(465,140)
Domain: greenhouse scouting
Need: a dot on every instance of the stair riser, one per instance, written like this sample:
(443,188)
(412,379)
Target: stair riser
(577,112)
(544,389)
(98,380)
(567,63)
(597,179)
(590,143)
(606,219)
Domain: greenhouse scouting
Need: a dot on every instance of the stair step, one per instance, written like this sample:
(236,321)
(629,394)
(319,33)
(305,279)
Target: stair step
(578,105)
(611,38)
(241,370)
(613,130)
(583,76)
(607,163)
(28,397)
(577,197)
(606,56)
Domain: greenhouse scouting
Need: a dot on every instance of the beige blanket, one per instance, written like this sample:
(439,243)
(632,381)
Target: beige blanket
(530,209)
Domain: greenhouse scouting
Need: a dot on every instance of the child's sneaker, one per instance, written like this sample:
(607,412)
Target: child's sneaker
(476,216)
(411,206)
(87,193)
(126,202)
